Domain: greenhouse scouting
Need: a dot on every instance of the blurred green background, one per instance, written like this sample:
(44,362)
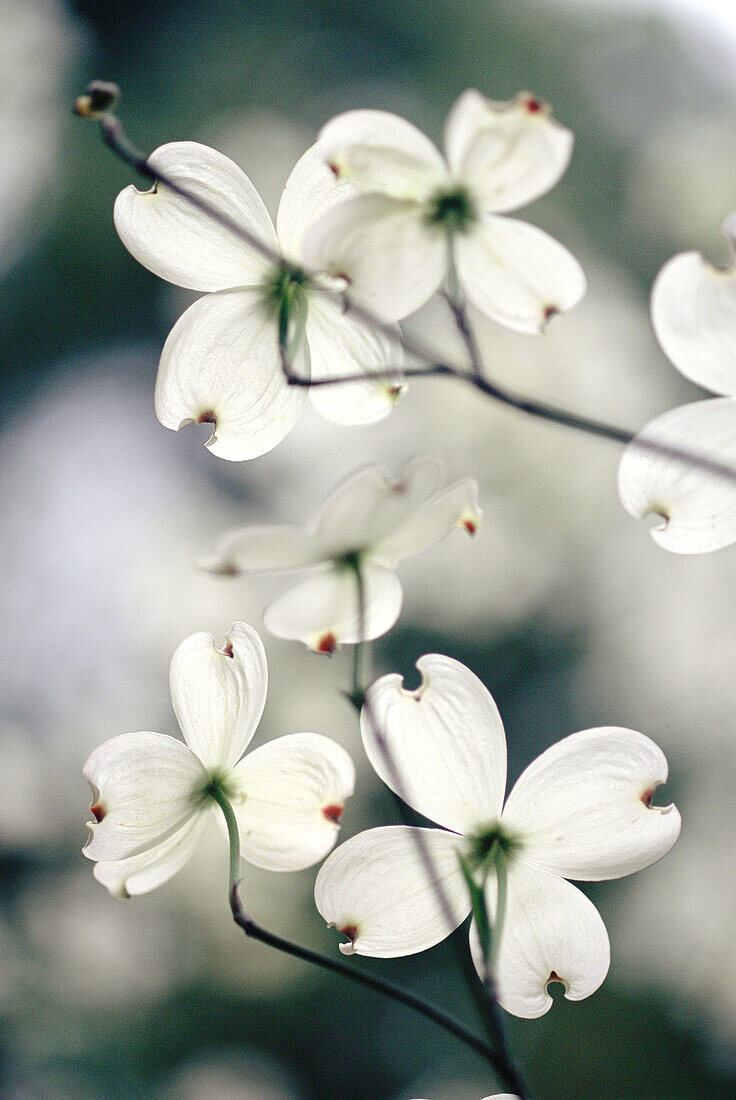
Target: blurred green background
(563,605)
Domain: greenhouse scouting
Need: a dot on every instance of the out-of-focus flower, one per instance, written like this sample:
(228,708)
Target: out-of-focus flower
(694,317)
(223,1074)
(417,210)
(582,810)
(365,526)
(153,794)
(221,363)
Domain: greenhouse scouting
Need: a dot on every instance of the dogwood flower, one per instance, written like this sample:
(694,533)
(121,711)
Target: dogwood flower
(582,810)
(368,523)
(416,210)
(153,794)
(694,316)
(221,363)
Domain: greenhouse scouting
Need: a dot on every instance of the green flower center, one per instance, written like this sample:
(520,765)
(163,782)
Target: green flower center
(453,210)
(287,295)
(215,787)
(486,847)
(349,559)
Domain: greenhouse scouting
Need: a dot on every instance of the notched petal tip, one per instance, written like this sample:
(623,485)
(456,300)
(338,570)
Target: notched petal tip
(351,931)
(647,798)
(660,516)
(533,104)
(98,811)
(207,417)
(470,522)
(326,643)
(555,979)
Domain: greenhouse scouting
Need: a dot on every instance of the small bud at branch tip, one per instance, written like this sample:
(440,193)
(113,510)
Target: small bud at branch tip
(100,97)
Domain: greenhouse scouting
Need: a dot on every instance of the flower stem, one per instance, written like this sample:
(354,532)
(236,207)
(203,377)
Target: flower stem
(233,834)
(496,928)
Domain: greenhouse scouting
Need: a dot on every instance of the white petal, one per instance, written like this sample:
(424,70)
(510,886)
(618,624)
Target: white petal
(516,274)
(219,695)
(382,152)
(322,609)
(145,787)
(267,549)
(583,808)
(550,931)
(288,797)
(694,317)
(456,506)
(369,506)
(339,346)
(221,365)
(310,191)
(180,243)
(445,740)
(139,874)
(507,153)
(697,506)
(393,260)
(376,890)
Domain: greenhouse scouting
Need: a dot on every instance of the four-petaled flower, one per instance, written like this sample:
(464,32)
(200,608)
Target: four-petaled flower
(153,793)
(367,524)
(694,318)
(417,211)
(221,363)
(583,810)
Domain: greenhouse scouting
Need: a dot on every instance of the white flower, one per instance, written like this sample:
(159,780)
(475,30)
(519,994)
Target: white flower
(152,793)
(368,522)
(417,209)
(582,810)
(694,318)
(221,363)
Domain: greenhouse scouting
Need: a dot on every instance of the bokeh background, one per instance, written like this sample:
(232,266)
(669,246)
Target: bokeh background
(562,604)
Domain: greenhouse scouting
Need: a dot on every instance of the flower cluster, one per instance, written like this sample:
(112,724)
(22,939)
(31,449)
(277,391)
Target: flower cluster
(374,220)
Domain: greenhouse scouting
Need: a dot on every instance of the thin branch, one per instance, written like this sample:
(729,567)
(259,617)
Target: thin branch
(378,985)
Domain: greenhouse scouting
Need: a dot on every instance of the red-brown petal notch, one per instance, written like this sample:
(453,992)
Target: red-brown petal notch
(333,812)
(98,811)
(327,643)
